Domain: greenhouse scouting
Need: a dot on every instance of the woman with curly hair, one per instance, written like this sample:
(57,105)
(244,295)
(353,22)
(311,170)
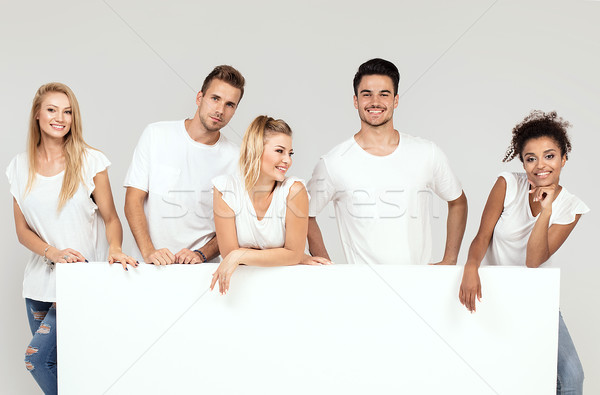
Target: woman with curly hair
(526,219)
(59,185)
(261,215)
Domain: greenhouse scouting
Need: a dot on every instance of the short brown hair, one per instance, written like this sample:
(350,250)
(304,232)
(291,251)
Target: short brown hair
(226,74)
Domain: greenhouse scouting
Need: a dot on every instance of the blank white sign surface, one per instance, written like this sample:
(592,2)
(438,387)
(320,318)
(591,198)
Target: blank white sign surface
(340,329)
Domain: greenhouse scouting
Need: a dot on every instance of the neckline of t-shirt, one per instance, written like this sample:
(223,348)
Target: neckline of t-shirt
(275,192)
(381,157)
(50,177)
(196,143)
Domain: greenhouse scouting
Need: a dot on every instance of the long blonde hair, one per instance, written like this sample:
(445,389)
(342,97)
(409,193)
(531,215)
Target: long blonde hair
(253,146)
(73,144)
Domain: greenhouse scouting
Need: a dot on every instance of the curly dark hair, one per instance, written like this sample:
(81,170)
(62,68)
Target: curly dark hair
(535,125)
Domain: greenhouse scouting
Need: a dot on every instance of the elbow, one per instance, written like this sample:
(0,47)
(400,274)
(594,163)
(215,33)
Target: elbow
(22,235)
(127,209)
(113,222)
(111,218)
(20,238)
(298,255)
(536,255)
(294,257)
(224,252)
(535,262)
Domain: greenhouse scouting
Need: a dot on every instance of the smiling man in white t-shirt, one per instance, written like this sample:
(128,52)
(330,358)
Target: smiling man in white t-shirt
(169,200)
(381,183)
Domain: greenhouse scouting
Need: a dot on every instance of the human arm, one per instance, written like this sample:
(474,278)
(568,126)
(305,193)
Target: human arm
(33,242)
(470,287)
(210,250)
(102,195)
(455,229)
(322,190)
(226,233)
(316,246)
(138,223)
(545,240)
(296,225)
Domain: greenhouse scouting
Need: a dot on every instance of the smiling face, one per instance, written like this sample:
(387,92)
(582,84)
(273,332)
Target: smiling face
(375,100)
(55,115)
(217,105)
(542,161)
(277,157)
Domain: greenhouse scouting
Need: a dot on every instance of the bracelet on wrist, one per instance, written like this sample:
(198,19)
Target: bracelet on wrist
(46,260)
(202,255)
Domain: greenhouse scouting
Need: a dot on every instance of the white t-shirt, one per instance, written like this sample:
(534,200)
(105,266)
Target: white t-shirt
(76,226)
(269,232)
(512,231)
(176,172)
(383,204)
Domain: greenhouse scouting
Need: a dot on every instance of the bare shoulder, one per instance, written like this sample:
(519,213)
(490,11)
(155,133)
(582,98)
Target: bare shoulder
(297,189)
(500,182)
(499,188)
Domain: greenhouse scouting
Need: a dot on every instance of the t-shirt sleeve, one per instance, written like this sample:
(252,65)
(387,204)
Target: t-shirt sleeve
(12,174)
(445,183)
(511,187)
(226,185)
(571,208)
(138,175)
(96,162)
(320,189)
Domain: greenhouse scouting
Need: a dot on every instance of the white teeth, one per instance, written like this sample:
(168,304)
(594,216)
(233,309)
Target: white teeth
(544,173)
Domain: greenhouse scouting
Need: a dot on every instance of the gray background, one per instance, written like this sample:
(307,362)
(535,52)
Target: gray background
(470,71)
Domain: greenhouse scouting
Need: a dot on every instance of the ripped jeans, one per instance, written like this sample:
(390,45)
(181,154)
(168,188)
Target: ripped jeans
(40,357)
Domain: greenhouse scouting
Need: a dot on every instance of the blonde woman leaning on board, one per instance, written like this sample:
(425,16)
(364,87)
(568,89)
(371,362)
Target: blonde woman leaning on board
(261,216)
(59,186)
(526,219)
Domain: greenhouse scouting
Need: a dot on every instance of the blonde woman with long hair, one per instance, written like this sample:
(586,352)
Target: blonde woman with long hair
(59,185)
(261,215)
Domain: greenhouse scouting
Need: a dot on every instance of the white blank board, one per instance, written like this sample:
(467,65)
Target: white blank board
(340,329)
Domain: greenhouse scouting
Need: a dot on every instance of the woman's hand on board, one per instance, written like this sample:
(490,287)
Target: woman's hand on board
(68,255)
(470,287)
(225,270)
(120,257)
(314,260)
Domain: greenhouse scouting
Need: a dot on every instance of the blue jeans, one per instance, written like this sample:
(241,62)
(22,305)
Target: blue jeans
(569,380)
(40,357)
